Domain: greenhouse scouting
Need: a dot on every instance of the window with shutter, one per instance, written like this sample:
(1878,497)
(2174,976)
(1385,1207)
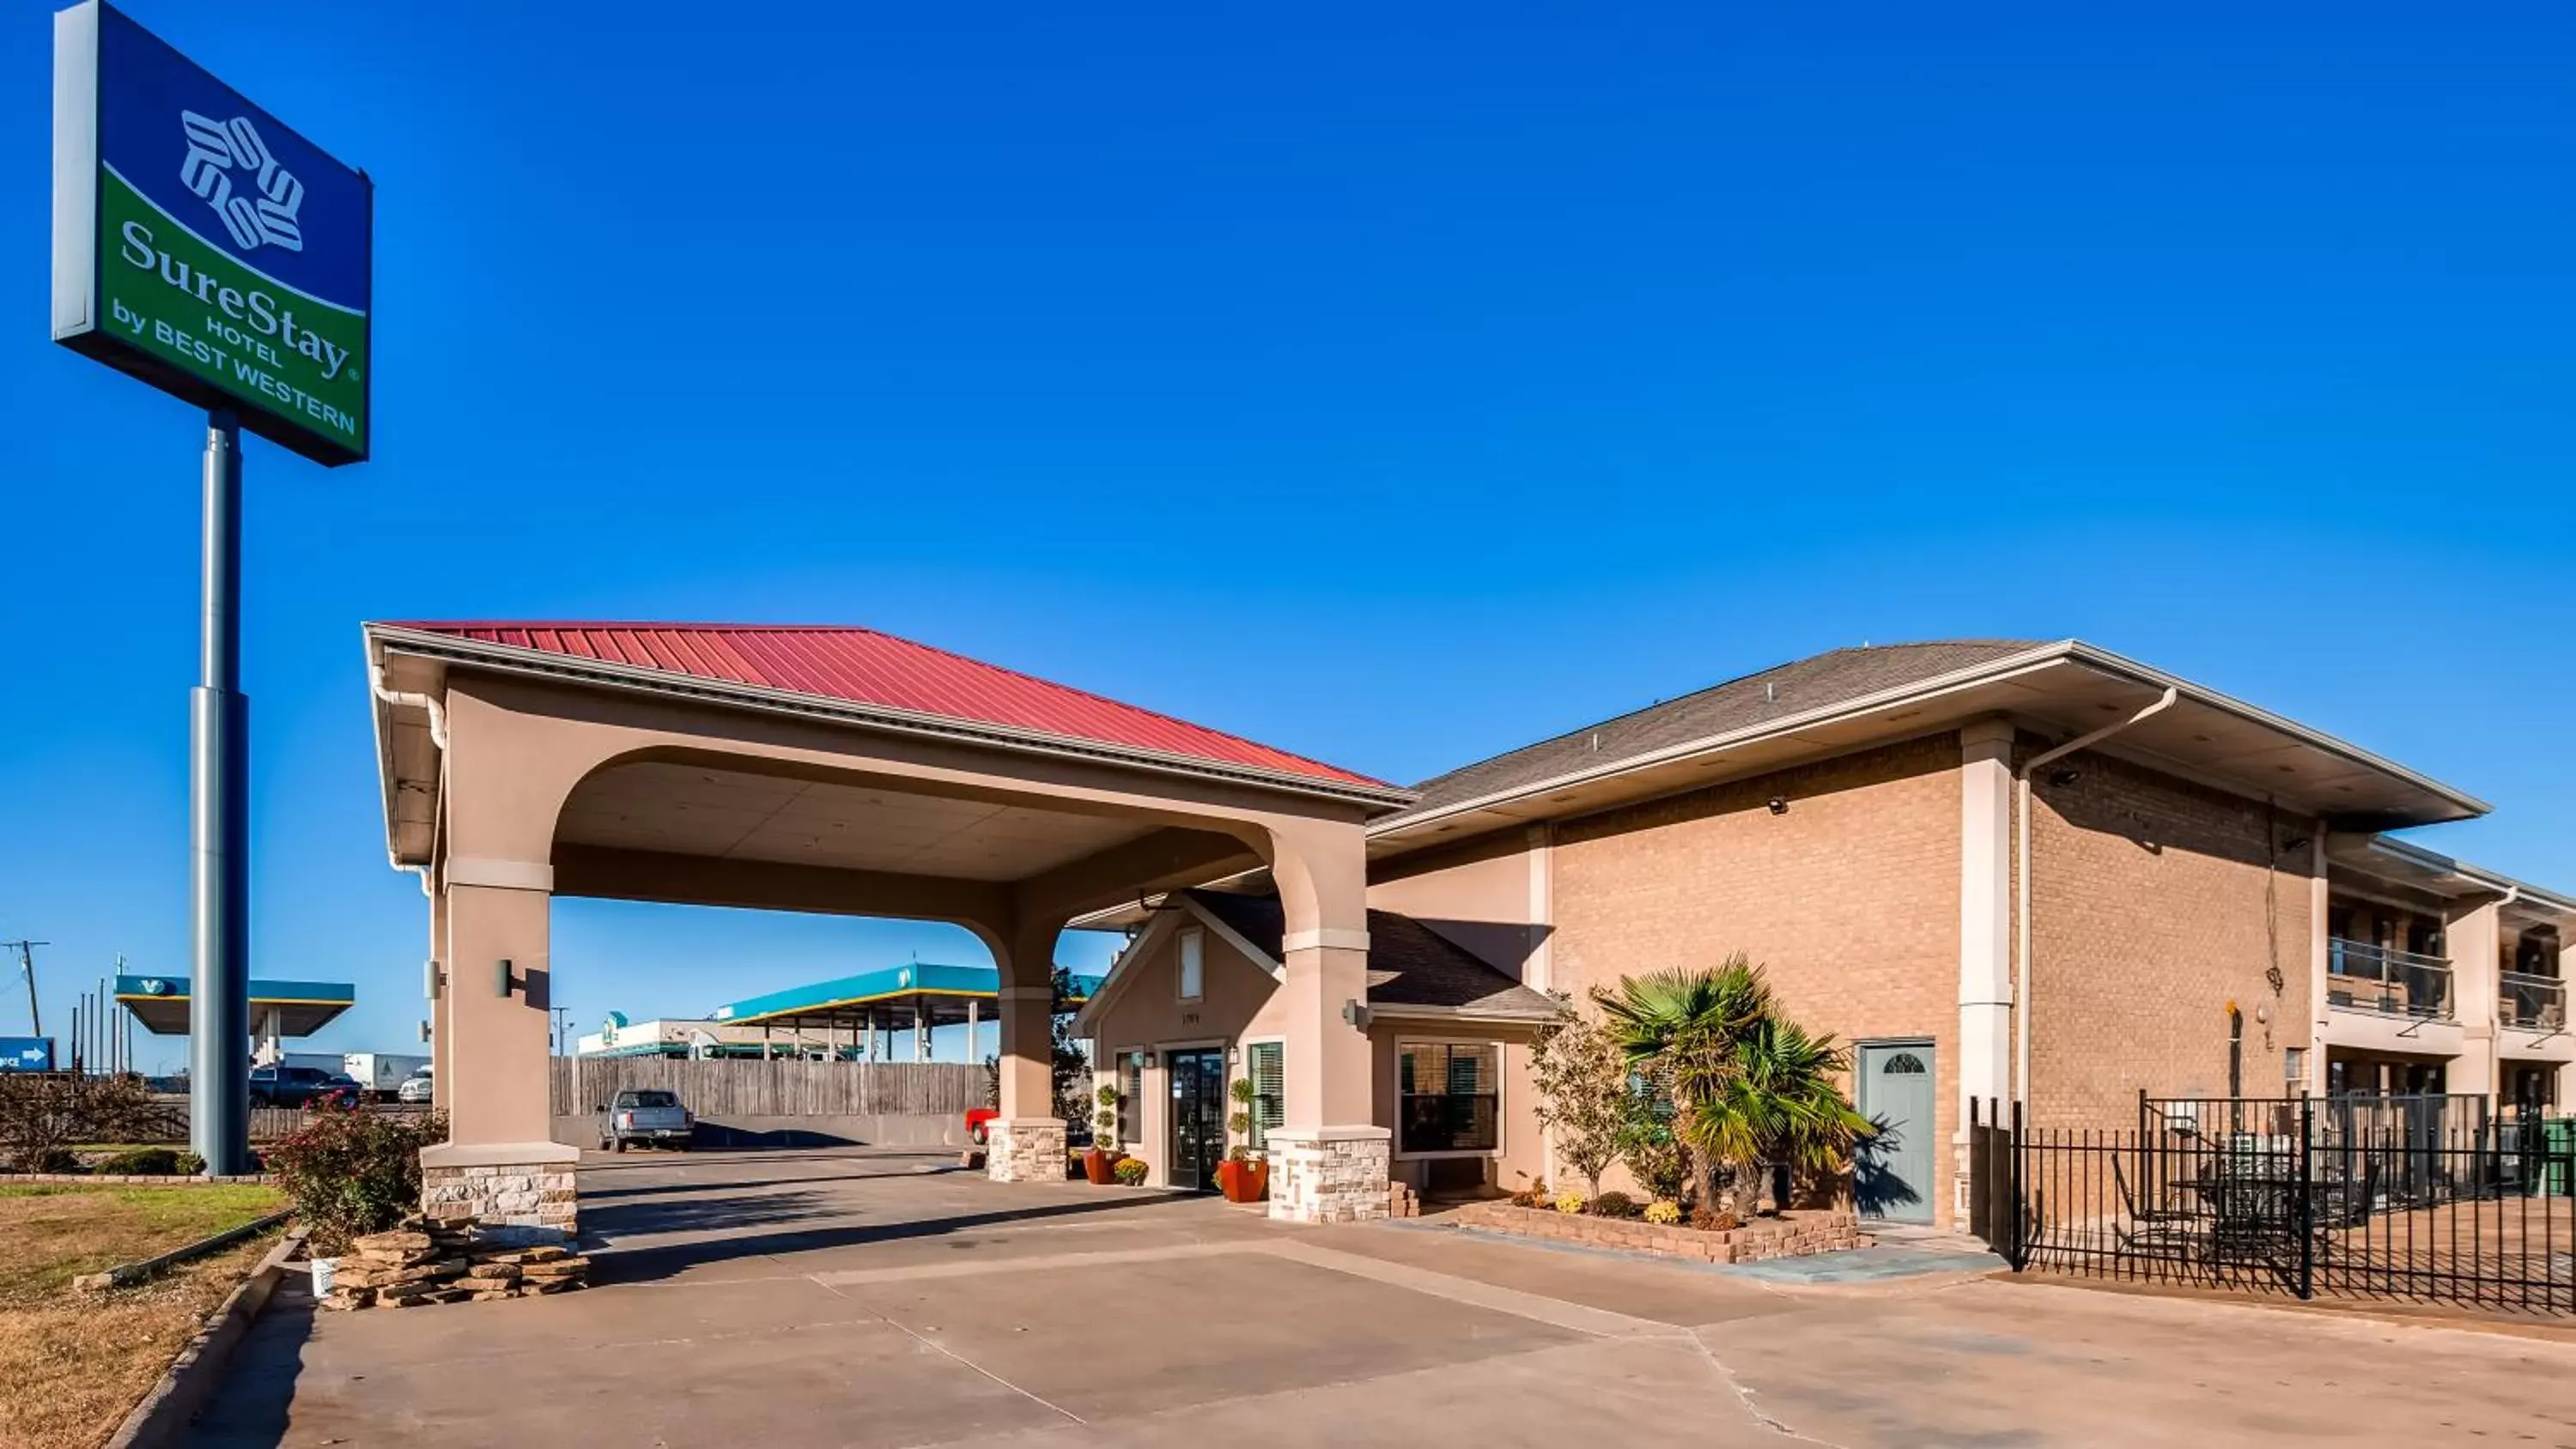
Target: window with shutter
(1269,1089)
(1131,1098)
(1448,1097)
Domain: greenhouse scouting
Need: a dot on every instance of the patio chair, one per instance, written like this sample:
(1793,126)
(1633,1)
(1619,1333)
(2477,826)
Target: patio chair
(2153,1231)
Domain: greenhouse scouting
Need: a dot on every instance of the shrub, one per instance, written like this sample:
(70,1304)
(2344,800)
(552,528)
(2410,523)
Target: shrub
(1104,1131)
(1580,1083)
(1530,1197)
(1614,1205)
(1663,1212)
(188,1164)
(1654,1151)
(352,1173)
(53,1159)
(142,1162)
(1131,1171)
(42,1112)
(1569,1201)
(1708,1221)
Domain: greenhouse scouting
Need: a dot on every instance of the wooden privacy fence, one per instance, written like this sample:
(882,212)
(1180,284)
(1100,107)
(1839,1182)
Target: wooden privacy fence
(776,1088)
(167,1125)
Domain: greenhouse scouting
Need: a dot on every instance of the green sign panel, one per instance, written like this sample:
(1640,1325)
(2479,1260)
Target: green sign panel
(202,246)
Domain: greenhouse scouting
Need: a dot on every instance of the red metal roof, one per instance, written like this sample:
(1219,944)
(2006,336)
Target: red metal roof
(863,666)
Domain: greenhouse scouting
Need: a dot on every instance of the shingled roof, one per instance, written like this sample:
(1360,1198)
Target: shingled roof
(1817,682)
(1409,964)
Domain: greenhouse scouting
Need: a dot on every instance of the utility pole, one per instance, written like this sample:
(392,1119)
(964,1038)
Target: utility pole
(27,963)
(562,1015)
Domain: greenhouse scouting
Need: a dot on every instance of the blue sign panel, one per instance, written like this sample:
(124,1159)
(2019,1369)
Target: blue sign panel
(203,246)
(26,1054)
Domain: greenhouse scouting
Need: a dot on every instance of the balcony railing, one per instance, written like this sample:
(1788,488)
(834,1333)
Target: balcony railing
(2524,999)
(2385,979)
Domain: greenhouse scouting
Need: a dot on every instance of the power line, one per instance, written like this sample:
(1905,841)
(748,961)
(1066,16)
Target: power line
(27,965)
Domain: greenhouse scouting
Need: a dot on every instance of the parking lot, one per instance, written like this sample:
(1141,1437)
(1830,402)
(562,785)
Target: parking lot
(857,1297)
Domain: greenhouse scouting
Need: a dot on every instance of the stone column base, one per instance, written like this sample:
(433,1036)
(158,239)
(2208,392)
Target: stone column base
(1024,1149)
(1329,1174)
(532,1187)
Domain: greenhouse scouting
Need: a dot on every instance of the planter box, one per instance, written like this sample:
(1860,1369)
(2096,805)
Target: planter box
(1797,1235)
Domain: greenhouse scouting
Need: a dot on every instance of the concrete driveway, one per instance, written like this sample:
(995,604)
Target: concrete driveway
(855,1297)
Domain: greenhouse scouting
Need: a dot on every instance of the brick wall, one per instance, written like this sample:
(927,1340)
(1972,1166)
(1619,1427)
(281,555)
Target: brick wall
(1850,899)
(2158,901)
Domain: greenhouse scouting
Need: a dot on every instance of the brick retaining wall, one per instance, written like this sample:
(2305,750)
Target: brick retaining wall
(1795,1236)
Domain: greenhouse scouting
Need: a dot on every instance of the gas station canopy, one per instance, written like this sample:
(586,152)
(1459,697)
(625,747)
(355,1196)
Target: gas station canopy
(301,1007)
(890,996)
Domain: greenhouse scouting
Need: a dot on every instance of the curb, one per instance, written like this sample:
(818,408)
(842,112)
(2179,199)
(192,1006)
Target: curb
(125,1273)
(190,1380)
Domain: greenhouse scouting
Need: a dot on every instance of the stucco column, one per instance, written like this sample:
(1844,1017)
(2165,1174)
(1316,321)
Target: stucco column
(1985,924)
(2320,956)
(2474,939)
(1329,1156)
(1026,1143)
(499,1164)
(433,978)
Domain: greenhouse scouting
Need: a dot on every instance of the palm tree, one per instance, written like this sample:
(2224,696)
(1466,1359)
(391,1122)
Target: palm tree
(1748,1085)
(1783,1104)
(1681,1028)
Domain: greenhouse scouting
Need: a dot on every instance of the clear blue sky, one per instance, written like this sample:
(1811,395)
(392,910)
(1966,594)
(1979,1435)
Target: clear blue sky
(1394,390)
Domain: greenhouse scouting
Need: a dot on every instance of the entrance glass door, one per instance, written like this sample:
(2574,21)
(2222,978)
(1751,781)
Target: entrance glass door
(1198,1118)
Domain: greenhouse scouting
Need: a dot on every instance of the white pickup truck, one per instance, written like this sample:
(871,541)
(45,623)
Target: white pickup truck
(648,1116)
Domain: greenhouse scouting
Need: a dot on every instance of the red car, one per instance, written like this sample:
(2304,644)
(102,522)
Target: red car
(976,1117)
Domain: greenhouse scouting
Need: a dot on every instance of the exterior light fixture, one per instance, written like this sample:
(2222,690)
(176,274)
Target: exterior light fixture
(501,977)
(2062,778)
(1779,804)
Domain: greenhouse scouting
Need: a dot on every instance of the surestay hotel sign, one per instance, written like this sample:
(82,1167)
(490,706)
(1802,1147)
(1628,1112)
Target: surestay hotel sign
(202,246)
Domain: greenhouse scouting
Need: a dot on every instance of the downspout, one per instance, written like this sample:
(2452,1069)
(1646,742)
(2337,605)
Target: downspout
(2021,872)
(2495,1029)
(409,699)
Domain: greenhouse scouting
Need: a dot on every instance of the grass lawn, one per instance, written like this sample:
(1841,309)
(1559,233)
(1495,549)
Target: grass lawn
(71,1365)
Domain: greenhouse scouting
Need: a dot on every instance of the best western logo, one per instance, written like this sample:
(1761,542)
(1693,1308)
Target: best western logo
(254,309)
(215,150)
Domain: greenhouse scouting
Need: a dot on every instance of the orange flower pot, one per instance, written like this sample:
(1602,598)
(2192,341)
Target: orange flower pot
(1246,1180)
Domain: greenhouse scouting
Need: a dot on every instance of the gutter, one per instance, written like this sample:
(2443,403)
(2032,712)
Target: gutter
(1465,1014)
(2477,876)
(407,699)
(2068,651)
(2021,868)
(1840,710)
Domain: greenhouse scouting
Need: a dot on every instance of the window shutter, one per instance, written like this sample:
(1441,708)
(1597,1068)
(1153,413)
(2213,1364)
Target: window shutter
(1269,1089)
(1131,1100)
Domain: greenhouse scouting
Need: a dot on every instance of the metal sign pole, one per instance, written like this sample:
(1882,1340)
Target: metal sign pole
(219,854)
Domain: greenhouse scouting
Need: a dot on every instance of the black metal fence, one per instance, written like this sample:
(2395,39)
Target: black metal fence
(2429,1199)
